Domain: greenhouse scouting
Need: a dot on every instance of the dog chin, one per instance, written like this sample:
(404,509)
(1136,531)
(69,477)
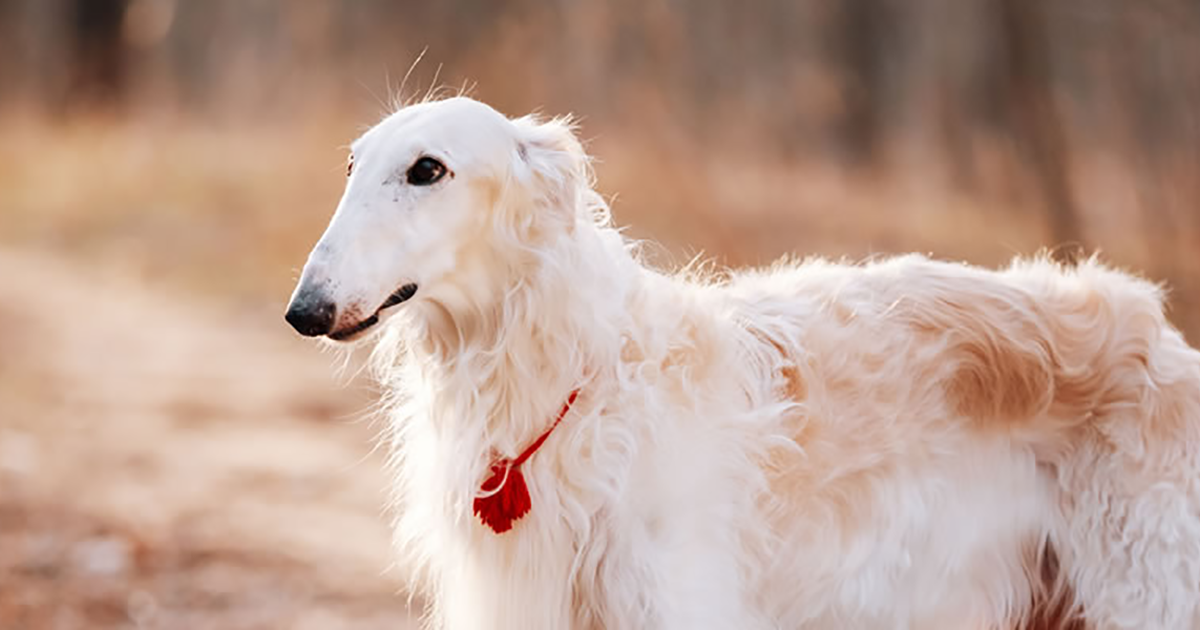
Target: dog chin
(350,338)
(356,332)
(365,327)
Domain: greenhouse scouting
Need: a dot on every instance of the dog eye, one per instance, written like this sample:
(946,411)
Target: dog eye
(425,171)
(350,165)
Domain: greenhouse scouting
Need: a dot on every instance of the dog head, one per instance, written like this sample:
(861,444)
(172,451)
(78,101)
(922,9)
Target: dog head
(442,201)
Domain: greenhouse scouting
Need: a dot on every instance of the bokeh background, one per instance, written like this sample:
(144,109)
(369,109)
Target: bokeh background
(171,456)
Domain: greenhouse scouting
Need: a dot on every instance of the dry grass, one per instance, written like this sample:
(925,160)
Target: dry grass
(230,211)
(225,211)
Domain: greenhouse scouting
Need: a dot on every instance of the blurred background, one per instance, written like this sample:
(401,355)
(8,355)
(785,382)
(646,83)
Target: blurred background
(171,456)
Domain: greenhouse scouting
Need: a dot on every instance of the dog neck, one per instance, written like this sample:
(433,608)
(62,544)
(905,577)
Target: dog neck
(504,364)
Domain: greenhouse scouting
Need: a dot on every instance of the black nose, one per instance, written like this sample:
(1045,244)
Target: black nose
(311,314)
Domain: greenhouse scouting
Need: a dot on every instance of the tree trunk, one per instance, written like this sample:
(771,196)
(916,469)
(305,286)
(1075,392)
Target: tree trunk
(1036,121)
(97,56)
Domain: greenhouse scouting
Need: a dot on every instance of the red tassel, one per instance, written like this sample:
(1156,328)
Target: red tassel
(503,504)
(505,497)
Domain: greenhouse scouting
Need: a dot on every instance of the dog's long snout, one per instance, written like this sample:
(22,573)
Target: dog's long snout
(311,313)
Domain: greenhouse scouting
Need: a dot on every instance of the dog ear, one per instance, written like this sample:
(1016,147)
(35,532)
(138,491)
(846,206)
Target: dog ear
(552,161)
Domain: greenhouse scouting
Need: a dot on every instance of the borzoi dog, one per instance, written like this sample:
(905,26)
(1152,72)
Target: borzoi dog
(583,442)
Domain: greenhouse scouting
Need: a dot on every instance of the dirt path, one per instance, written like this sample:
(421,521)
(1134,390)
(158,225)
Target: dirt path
(166,464)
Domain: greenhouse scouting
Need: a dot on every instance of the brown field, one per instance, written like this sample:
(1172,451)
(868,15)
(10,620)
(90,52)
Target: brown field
(173,456)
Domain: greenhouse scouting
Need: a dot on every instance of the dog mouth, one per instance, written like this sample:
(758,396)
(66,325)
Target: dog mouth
(399,296)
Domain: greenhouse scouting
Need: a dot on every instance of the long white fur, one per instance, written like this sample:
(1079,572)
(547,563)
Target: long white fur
(816,445)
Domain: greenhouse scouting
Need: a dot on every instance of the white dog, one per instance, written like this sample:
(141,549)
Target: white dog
(581,442)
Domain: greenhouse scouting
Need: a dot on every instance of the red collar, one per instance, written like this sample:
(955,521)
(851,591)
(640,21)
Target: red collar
(504,497)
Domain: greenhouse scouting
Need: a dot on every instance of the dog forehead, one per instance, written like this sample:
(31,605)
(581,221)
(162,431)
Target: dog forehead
(457,128)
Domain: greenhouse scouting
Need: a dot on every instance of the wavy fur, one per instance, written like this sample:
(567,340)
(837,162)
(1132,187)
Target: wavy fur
(897,444)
